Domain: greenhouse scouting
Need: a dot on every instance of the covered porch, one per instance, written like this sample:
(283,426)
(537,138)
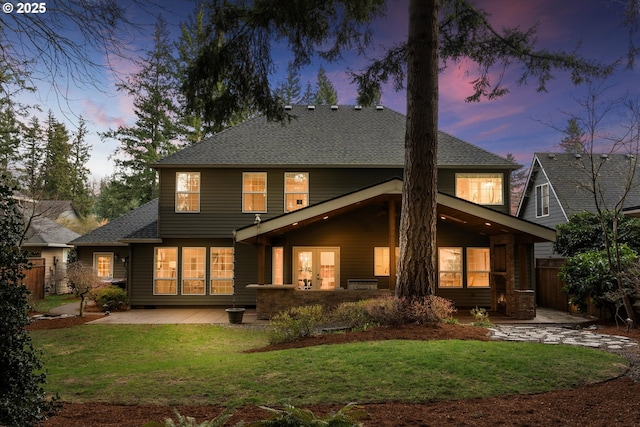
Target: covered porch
(357,232)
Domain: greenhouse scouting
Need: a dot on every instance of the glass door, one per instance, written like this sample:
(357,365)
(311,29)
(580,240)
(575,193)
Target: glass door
(316,268)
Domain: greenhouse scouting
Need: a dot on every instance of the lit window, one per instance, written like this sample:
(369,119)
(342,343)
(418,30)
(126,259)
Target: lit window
(193,265)
(478,267)
(296,190)
(277,270)
(222,271)
(381,261)
(450,267)
(187,191)
(164,273)
(542,200)
(254,192)
(481,188)
(103,264)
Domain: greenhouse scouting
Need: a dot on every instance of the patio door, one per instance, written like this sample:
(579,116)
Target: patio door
(316,268)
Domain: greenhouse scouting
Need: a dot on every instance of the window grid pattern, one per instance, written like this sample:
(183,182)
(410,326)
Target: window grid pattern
(164,275)
(254,192)
(450,267)
(296,190)
(193,271)
(187,191)
(104,265)
(222,271)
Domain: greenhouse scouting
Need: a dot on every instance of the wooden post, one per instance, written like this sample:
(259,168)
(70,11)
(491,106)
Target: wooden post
(261,261)
(392,244)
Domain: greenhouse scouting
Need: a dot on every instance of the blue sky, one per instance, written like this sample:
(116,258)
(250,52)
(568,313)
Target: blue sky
(517,123)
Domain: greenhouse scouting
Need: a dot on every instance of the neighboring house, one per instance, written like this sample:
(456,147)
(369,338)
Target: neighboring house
(265,212)
(561,184)
(47,243)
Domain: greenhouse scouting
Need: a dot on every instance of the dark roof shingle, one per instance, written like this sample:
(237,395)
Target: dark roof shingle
(342,137)
(120,227)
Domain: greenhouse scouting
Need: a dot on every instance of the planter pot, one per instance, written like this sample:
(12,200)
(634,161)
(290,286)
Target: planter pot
(235,314)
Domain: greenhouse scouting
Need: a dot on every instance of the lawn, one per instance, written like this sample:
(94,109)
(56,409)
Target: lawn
(205,364)
(51,301)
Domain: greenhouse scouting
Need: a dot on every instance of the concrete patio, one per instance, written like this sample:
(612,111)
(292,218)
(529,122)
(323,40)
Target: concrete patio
(544,316)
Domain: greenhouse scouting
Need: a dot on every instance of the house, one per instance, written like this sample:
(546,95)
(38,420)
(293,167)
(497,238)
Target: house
(561,184)
(268,215)
(46,240)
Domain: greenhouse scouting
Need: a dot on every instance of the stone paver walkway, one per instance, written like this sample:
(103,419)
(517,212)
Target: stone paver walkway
(559,335)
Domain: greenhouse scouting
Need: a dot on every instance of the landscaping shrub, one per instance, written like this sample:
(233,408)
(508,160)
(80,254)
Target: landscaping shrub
(291,416)
(353,315)
(294,323)
(110,298)
(386,311)
(428,310)
(480,317)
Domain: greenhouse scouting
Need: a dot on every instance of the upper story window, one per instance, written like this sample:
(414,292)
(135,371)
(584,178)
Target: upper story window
(187,191)
(254,192)
(542,200)
(296,190)
(480,188)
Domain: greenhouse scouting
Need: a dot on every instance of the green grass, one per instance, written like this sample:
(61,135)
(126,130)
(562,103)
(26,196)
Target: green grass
(51,301)
(204,364)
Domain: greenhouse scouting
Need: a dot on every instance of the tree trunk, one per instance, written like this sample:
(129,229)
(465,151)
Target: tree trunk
(417,273)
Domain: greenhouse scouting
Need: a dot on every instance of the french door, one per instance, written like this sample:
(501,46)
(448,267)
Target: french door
(316,268)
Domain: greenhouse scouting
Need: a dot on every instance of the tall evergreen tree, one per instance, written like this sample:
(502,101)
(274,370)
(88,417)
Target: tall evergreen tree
(327,27)
(325,93)
(56,170)
(288,90)
(113,199)
(155,132)
(78,158)
(32,159)
(573,141)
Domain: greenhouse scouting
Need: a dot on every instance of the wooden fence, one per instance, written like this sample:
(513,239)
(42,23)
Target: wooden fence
(34,279)
(549,291)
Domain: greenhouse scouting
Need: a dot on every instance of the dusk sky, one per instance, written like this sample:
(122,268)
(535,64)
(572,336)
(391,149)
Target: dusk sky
(517,123)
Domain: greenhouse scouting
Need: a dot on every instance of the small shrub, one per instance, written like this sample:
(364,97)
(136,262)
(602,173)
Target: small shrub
(428,310)
(110,298)
(185,421)
(294,323)
(291,416)
(480,317)
(353,315)
(386,311)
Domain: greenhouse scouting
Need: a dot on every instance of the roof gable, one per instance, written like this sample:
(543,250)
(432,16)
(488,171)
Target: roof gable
(336,136)
(570,177)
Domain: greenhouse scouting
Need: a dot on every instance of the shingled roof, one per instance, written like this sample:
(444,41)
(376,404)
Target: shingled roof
(128,224)
(44,232)
(570,177)
(335,136)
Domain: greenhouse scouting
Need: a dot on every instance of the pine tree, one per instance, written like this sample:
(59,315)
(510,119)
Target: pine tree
(31,177)
(155,132)
(573,142)
(57,170)
(79,156)
(325,93)
(288,90)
